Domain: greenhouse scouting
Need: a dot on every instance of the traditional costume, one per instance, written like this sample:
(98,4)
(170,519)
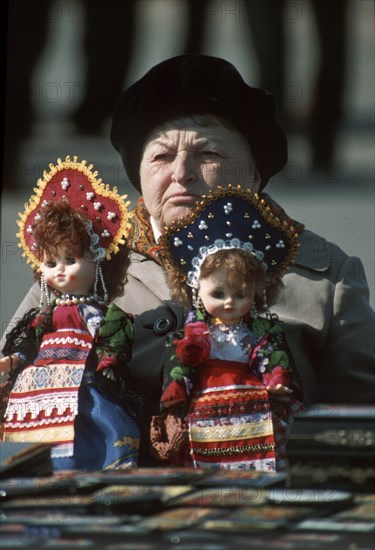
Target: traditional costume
(58,393)
(215,375)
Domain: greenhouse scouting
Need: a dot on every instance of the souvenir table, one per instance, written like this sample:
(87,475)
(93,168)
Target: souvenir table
(163,508)
(325,501)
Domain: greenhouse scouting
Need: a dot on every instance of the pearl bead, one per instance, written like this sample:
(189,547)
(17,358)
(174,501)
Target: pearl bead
(73,300)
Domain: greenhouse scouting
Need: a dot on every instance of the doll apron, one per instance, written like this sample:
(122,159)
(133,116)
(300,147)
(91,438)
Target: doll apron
(49,403)
(44,400)
(230,419)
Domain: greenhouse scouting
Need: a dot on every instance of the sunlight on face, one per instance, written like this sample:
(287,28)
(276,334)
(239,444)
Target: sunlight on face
(183,160)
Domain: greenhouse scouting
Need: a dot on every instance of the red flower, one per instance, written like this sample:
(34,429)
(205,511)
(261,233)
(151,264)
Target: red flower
(277,376)
(195,347)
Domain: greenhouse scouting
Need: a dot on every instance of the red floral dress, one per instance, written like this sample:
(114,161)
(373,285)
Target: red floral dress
(44,400)
(59,395)
(232,420)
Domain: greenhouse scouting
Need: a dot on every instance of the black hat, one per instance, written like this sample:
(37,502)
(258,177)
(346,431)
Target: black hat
(197,84)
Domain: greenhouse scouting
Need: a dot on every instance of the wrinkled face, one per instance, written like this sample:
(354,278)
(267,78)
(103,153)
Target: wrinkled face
(183,160)
(222,301)
(68,274)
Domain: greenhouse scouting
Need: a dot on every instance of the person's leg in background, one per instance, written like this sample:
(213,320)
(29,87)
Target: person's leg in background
(327,107)
(27,32)
(108,49)
(195,26)
(265,18)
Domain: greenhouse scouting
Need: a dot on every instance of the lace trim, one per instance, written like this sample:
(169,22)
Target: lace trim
(258,448)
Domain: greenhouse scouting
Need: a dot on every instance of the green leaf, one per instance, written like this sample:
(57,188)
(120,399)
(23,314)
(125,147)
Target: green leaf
(178,373)
(279,358)
(277,328)
(260,326)
(199,315)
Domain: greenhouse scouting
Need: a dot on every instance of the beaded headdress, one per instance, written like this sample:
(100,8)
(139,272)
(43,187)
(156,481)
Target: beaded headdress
(230,218)
(104,209)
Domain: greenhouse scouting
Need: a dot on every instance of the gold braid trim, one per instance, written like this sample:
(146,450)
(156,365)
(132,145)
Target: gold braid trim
(229,395)
(258,448)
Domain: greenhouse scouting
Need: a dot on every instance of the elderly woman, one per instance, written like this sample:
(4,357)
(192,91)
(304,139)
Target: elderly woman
(191,124)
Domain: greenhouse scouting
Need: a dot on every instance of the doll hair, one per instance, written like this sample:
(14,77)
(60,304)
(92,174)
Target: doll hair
(61,227)
(244,270)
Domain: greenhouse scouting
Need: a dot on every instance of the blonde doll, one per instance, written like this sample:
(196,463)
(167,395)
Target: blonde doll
(230,383)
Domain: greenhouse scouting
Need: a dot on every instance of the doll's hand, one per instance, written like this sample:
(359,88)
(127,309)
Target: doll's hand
(279,389)
(108,373)
(105,367)
(8,364)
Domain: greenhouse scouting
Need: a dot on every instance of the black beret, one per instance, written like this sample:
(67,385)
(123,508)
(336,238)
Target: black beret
(197,84)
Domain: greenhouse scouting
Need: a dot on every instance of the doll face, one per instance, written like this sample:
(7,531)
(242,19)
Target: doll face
(68,274)
(227,304)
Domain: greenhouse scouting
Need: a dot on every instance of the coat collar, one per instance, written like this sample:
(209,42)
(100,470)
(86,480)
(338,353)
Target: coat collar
(313,252)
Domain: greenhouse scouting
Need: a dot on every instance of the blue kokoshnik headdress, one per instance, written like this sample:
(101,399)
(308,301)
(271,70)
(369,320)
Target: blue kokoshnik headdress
(231,218)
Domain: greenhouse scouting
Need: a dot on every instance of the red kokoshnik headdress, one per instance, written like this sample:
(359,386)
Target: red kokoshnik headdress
(104,211)
(105,208)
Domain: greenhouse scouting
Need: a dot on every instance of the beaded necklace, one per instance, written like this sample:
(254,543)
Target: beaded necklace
(224,333)
(71,299)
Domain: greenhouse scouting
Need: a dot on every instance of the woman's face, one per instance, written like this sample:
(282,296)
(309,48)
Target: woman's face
(183,161)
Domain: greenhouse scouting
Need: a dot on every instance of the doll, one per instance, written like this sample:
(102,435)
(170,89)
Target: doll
(230,383)
(67,360)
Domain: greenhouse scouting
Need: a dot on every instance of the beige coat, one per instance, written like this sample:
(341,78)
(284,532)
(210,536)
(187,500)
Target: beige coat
(330,326)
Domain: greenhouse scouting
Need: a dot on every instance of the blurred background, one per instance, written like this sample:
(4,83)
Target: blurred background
(68,60)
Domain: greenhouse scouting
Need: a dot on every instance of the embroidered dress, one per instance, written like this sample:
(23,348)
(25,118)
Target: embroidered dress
(230,421)
(233,422)
(59,398)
